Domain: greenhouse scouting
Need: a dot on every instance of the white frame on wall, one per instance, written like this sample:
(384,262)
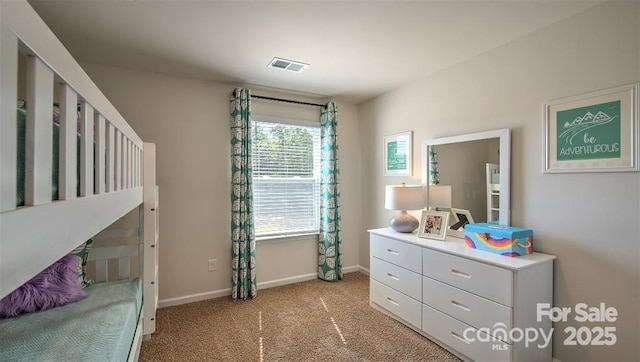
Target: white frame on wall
(593,132)
(391,168)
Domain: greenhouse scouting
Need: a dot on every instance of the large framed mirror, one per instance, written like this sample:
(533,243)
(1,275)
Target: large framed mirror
(474,171)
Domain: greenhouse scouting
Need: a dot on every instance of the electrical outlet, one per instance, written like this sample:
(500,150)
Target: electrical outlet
(213,265)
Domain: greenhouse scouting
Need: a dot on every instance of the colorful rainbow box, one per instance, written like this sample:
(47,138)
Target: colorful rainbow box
(504,240)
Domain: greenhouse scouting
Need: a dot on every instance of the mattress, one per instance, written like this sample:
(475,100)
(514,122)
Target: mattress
(100,327)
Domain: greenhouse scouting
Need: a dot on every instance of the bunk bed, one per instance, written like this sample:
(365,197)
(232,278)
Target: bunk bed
(67,191)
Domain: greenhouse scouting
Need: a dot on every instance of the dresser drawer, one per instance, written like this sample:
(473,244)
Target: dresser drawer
(482,279)
(395,302)
(406,255)
(452,332)
(466,307)
(398,278)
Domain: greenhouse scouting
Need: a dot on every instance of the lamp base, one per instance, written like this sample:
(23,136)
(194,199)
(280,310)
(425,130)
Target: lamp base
(404,223)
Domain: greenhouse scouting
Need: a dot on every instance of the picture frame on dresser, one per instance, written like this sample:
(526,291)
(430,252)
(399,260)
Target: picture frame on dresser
(433,224)
(461,217)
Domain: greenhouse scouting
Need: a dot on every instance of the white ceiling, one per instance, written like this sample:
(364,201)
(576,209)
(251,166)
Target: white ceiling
(357,49)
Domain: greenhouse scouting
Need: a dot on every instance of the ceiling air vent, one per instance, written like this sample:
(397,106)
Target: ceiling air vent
(290,65)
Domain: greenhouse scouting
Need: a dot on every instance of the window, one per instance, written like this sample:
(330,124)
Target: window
(286,178)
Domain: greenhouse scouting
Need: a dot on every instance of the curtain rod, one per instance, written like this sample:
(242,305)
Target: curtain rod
(287,101)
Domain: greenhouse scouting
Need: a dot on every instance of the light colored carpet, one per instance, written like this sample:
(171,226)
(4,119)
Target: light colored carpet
(309,321)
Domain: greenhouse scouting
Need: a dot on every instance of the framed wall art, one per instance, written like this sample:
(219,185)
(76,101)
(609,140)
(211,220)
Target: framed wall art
(594,132)
(433,224)
(397,154)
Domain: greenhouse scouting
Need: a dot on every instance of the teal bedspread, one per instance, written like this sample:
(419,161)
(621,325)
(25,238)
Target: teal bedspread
(98,328)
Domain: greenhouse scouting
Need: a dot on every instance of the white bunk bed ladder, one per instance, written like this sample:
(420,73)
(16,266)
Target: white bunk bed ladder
(146,250)
(150,239)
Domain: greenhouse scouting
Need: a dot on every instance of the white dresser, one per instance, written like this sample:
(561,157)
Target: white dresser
(474,303)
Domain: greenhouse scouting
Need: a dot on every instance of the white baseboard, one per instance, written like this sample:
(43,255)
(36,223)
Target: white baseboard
(285,281)
(262,285)
(363,270)
(193,298)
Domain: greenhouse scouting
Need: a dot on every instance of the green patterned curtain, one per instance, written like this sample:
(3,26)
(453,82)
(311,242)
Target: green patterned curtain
(434,173)
(329,243)
(243,242)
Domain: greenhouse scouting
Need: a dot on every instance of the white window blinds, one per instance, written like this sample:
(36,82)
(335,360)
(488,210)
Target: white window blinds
(286,179)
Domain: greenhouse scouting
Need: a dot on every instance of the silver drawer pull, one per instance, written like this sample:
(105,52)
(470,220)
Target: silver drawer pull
(461,306)
(393,302)
(460,337)
(461,274)
(392,276)
(393,252)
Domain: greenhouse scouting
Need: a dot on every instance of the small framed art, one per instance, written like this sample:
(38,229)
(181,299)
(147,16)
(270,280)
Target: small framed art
(397,154)
(433,224)
(594,132)
(461,217)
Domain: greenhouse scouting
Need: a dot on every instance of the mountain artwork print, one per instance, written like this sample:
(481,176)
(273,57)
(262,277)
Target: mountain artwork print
(591,132)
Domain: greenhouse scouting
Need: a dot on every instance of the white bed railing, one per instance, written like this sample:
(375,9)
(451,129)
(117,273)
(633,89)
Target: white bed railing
(110,180)
(123,256)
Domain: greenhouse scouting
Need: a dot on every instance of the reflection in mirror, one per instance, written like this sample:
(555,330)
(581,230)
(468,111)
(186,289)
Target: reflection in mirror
(477,167)
(462,165)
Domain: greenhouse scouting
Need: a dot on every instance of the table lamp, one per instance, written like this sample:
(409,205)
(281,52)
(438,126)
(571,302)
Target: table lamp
(403,197)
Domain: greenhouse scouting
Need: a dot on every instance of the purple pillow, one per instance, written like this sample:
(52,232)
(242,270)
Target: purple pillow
(55,286)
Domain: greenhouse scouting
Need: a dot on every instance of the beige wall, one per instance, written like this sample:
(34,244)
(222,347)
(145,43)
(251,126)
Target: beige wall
(188,120)
(590,221)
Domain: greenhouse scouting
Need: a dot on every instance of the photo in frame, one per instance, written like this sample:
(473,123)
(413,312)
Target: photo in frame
(398,154)
(461,217)
(433,224)
(594,132)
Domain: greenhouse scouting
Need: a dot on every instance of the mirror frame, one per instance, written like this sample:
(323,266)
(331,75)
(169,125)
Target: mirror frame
(504,135)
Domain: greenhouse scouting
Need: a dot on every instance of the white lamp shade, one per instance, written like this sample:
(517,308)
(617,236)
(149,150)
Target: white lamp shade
(403,197)
(440,196)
